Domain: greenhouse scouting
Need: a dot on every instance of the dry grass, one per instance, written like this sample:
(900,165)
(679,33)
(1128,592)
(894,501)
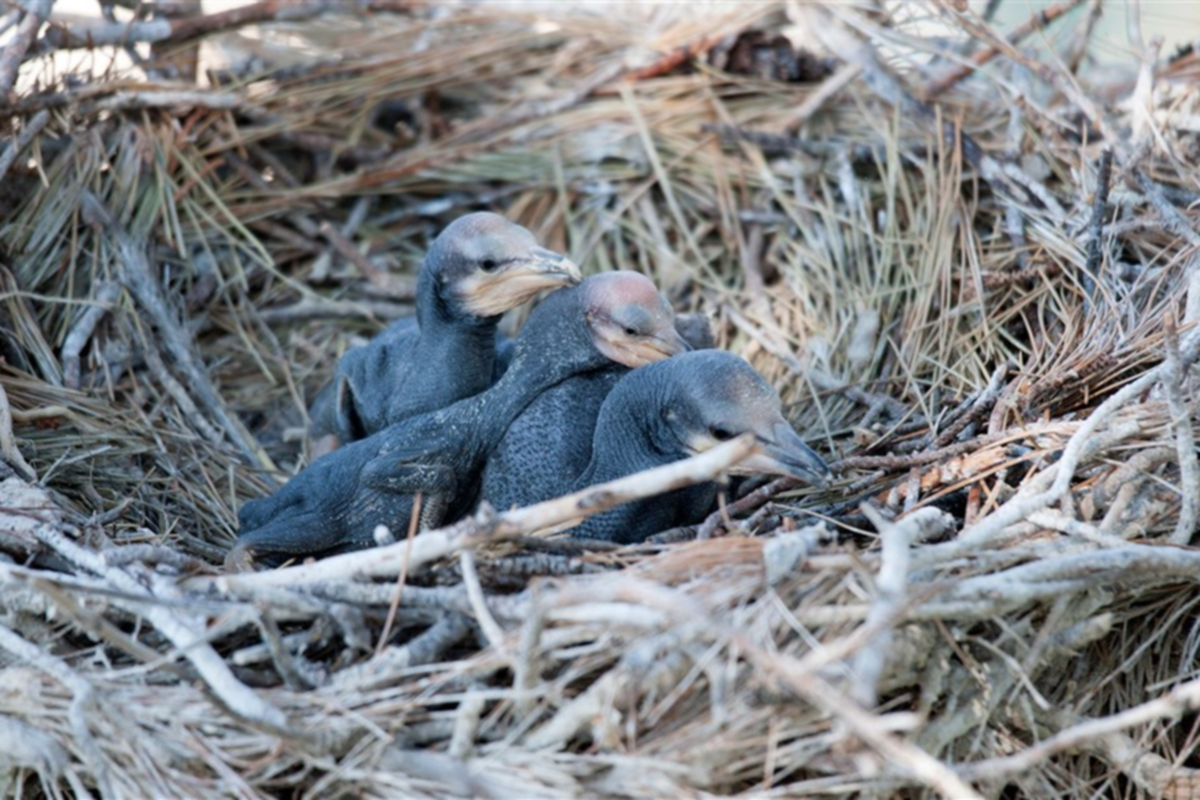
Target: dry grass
(1026,626)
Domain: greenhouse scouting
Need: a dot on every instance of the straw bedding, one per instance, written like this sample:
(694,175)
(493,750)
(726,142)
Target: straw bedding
(976,292)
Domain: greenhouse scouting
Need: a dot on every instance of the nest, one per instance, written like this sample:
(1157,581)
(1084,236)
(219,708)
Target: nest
(968,264)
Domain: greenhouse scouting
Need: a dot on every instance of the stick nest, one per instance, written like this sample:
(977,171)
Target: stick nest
(975,292)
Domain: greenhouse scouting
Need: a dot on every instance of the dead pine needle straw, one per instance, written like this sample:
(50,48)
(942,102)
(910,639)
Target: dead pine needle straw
(958,252)
(401,576)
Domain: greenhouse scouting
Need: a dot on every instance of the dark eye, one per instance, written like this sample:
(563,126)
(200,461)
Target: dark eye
(489,265)
(631,332)
(721,434)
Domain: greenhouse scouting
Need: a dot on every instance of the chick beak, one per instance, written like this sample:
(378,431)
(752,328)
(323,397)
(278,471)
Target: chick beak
(785,453)
(654,348)
(554,267)
(494,293)
(670,343)
(643,351)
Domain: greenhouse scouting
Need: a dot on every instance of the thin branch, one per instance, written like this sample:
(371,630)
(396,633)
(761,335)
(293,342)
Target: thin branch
(487,526)
(752,501)
(1175,221)
(8,442)
(295,674)
(891,587)
(487,623)
(902,462)
(307,310)
(133,99)
(1174,382)
(157,31)
(675,59)
(1037,22)
(31,128)
(238,699)
(466,725)
(1095,256)
(424,649)
(402,577)
(14,52)
(984,403)
(1174,703)
(81,332)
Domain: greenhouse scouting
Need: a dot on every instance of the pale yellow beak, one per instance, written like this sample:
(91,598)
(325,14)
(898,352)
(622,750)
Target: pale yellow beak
(489,294)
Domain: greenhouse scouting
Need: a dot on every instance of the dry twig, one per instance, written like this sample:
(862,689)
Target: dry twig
(13,53)
(167,29)
(488,526)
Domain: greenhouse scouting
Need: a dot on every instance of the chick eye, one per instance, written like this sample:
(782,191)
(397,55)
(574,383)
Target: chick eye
(489,265)
(721,434)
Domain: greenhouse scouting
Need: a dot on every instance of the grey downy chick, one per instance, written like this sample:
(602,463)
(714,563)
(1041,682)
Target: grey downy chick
(480,266)
(677,408)
(550,443)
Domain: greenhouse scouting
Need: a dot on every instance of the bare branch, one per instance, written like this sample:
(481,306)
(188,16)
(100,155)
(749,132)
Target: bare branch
(1175,221)
(1179,700)
(487,623)
(1040,19)
(383,668)
(8,442)
(31,128)
(891,587)
(84,327)
(488,526)
(1174,381)
(238,699)
(157,31)
(14,52)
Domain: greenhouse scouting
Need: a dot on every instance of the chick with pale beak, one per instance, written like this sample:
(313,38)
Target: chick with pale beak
(479,267)
(550,443)
(677,408)
(502,282)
